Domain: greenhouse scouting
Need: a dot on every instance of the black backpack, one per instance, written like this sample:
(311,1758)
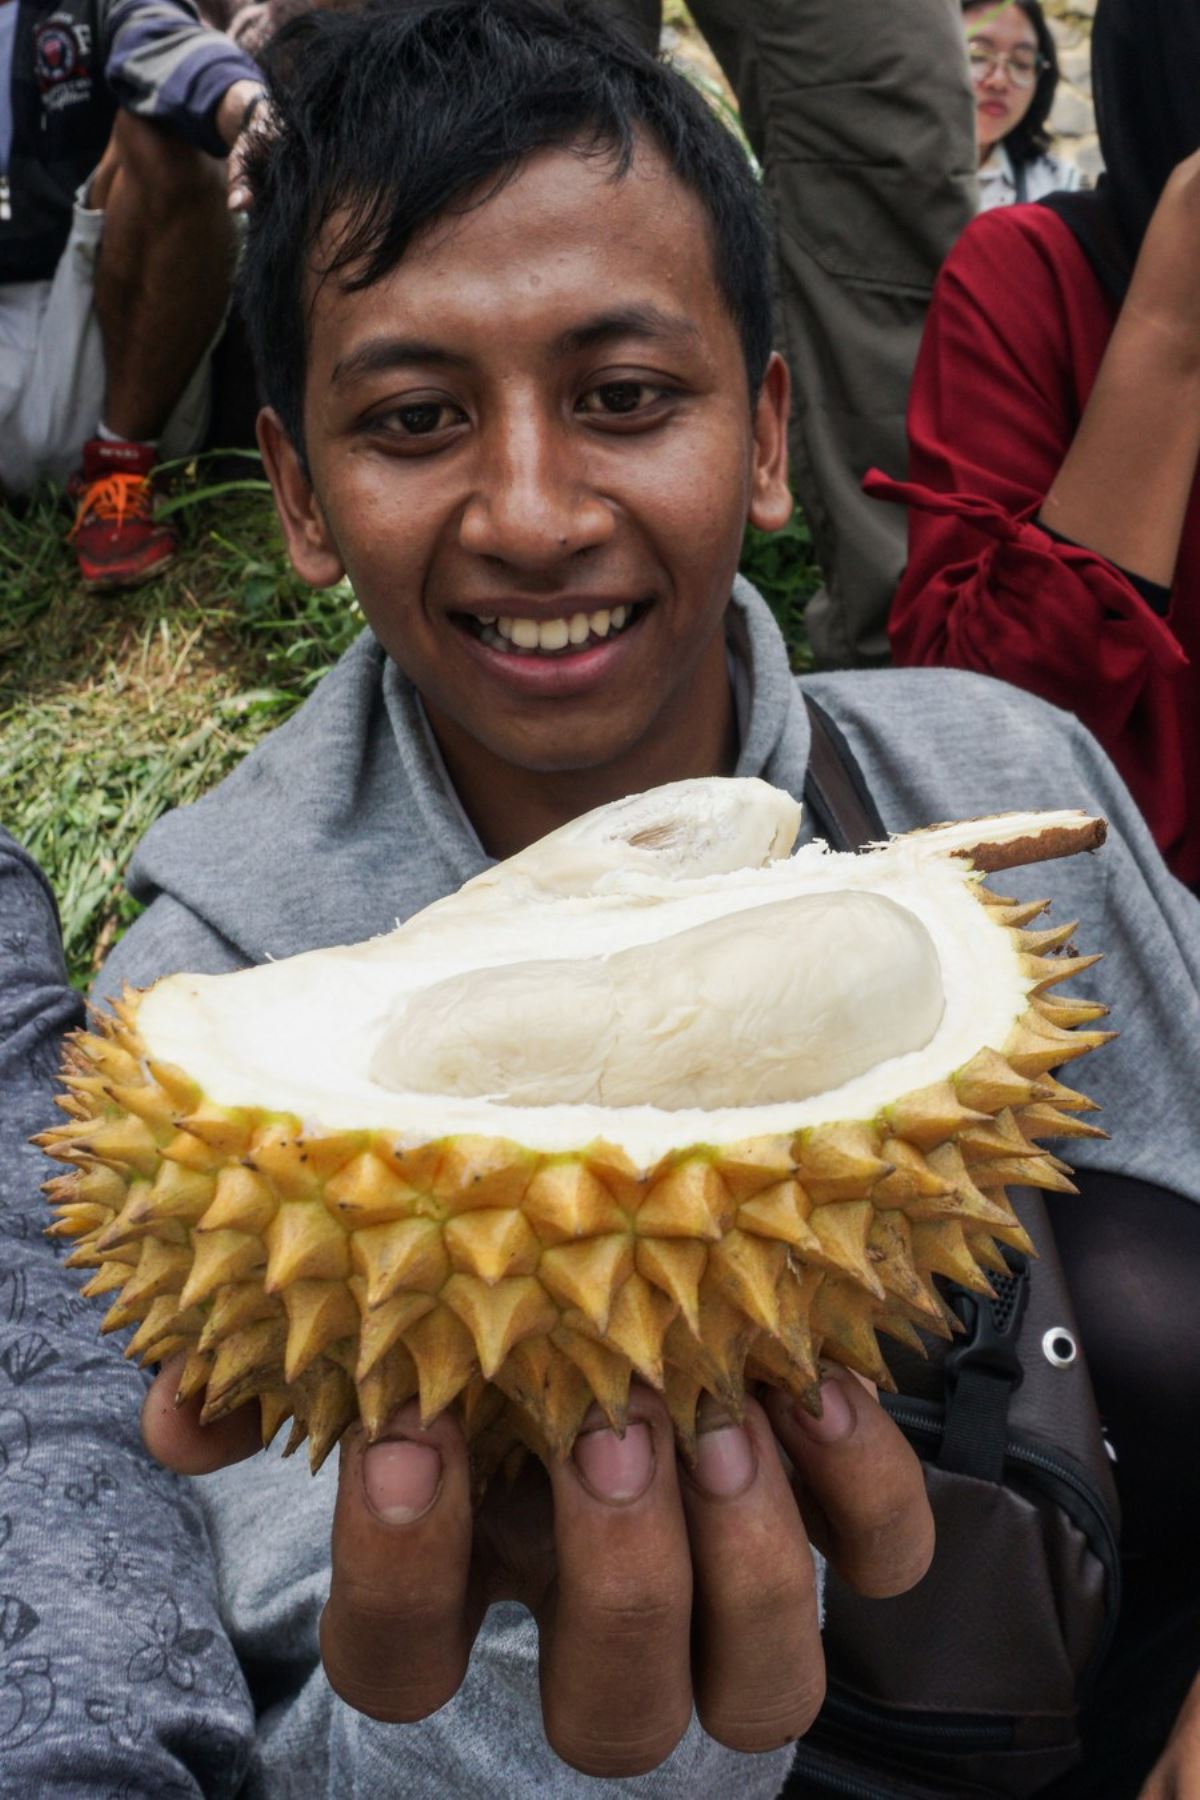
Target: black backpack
(971,1684)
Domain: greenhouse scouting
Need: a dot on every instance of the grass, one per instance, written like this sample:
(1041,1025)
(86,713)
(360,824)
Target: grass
(113,710)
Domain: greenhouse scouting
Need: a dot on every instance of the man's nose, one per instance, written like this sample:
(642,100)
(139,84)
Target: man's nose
(534,503)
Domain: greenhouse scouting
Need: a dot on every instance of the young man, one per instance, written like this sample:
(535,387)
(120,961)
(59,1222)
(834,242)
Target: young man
(508,286)
(116,255)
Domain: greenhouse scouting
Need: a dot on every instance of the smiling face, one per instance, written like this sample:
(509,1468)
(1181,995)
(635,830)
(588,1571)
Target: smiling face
(532,449)
(1000,102)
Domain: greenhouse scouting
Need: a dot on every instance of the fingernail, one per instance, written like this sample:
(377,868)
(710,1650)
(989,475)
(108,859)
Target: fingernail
(837,1416)
(616,1468)
(724,1459)
(401,1480)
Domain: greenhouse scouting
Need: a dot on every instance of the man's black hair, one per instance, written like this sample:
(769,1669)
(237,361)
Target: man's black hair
(1032,137)
(393,116)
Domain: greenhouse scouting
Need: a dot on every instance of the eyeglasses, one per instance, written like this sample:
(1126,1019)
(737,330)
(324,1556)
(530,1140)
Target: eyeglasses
(1022,67)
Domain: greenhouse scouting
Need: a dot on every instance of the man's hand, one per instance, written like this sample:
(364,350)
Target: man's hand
(242,114)
(1176,1774)
(655,1587)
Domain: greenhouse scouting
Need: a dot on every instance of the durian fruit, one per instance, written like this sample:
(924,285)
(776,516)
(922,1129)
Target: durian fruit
(653,1098)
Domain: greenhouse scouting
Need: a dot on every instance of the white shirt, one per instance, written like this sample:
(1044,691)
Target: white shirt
(1044,175)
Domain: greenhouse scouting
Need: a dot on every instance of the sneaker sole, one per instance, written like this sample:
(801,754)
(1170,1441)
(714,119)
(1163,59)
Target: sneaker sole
(104,581)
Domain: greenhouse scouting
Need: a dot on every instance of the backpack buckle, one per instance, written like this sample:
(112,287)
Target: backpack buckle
(982,1371)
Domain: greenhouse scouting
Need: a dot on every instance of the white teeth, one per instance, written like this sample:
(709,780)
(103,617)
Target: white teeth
(578,629)
(504,627)
(553,634)
(600,622)
(525,634)
(619,616)
(487,618)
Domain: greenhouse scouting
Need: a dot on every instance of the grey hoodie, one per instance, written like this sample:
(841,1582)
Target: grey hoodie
(343,822)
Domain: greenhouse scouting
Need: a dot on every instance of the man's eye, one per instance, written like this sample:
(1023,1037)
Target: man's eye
(424,417)
(617,398)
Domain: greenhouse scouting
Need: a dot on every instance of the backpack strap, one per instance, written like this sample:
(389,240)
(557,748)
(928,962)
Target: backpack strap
(835,790)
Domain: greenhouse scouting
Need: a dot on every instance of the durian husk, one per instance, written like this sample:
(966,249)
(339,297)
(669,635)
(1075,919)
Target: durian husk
(332,1277)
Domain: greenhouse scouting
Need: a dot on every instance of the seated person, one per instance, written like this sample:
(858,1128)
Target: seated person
(1013,61)
(116,256)
(518,363)
(1054,426)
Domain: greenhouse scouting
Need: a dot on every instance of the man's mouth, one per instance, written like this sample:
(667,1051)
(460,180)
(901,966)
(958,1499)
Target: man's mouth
(567,635)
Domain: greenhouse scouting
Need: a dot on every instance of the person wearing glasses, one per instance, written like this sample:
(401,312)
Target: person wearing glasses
(1014,77)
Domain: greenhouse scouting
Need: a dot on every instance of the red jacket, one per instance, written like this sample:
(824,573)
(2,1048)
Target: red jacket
(1016,332)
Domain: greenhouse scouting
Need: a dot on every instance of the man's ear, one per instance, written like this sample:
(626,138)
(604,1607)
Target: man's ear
(770,496)
(314,554)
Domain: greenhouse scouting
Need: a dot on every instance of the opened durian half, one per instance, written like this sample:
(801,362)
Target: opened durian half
(654,1098)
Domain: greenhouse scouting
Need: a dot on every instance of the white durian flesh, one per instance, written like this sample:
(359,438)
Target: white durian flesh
(657,1096)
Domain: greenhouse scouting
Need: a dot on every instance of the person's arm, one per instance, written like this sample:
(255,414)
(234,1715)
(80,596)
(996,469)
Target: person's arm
(1124,485)
(162,63)
(115,1670)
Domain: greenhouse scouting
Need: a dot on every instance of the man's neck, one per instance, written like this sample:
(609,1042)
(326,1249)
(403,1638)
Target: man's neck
(512,807)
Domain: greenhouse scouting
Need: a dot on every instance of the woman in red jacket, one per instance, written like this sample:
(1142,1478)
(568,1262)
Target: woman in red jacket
(1054,428)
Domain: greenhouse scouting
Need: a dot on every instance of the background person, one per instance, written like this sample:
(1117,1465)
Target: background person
(860,115)
(1054,427)
(1013,62)
(116,256)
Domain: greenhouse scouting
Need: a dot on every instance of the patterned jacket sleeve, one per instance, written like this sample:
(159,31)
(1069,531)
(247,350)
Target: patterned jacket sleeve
(162,63)
(116,1676)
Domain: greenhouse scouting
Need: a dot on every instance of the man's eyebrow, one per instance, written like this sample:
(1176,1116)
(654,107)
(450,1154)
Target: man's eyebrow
(380,354)
(643,320)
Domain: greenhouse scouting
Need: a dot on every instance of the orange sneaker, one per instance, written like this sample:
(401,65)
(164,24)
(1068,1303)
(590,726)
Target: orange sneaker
(117,540)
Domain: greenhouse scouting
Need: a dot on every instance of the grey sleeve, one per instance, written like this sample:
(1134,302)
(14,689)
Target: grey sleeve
(117,1678)
(163,63)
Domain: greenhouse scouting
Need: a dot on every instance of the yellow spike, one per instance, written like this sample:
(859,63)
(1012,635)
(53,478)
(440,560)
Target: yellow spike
(1065,1098)
(333,1406)
(105,1054)
(235,1306)
(796,1296)
(716,1359)
(444,1353)
(110,1275)
(148,1102)
(896,1326)
(638,1323)
(846,1334)
(770,1361)
(242,1201)
(1015,913)
(183,1091)
(748,1270)
(605,1370)
(838,1162)
(194,1375)
(245,1363)
(547,1385)
(104,1186)
(136,1220)
(492,1243)
(176,1194)
(681,1392)
(1036,1046)
(983,1248)
(78,1217)
(499,1315)
(304,1243)
(587,1275)
(1067,1013)
(676,1266)
(971,1203)
(1027,1171)
(983,1143)
(128,1143)
(482,1171)
(383,1325)
(942,1247)
(565,1201)
(759,1163)
(988,1082)
(222,1128)
(407,1255)
(1041,1120)
(166,1328)
(220,1257)
(780,1212)
(319,1313)
(911,1177)
(162,1269)
(192,1153)
(367,1192)
(274,1407)
(1047,971)
(841,1229)
(384,1388)
(931,1115)
(688,1200)
(890,1246)
(279,1153)
(1037,943)
(612,1168)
